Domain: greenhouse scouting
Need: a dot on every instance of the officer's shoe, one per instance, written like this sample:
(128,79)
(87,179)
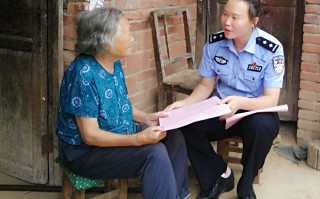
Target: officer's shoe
(222,185)
(250,196)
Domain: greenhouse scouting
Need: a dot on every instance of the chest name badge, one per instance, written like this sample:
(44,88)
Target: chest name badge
(254,67)
(220,60)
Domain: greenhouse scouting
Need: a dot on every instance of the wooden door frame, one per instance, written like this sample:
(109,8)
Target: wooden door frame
(55,73)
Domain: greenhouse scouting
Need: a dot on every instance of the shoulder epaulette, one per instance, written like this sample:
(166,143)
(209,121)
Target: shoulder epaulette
(216,37)
(269,45)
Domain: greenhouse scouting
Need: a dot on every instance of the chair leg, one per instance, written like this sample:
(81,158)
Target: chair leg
(123,188)
(68,190)
(119,191)
(223,148)
(220,147)
(80,194)
(226,150)
(66,187)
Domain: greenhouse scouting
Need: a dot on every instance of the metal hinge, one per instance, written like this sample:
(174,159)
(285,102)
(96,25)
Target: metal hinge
(47,143)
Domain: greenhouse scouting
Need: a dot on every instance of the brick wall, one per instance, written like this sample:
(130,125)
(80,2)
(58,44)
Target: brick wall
(309,95)
(140,67)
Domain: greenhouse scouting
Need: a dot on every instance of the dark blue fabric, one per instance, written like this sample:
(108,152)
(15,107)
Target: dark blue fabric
(257,131)
(163,167)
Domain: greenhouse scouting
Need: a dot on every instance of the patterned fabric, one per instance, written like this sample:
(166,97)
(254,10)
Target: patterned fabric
(79,182)
(88,90)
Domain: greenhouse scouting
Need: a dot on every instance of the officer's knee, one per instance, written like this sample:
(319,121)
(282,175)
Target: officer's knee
(176,138)
(262,124)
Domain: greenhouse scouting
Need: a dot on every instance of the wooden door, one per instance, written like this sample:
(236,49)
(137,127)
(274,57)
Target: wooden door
(283,19)
(23,89)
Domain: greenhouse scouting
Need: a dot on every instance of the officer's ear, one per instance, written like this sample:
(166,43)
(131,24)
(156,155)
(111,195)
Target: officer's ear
(255,21)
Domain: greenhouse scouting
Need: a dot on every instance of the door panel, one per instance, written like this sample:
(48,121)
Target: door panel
(23,89)
(283,19)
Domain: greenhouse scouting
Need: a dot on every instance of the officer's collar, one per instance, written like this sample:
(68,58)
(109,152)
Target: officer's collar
(251,44)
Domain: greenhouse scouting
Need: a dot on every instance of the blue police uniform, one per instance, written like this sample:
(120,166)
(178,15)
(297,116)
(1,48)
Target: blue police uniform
(247,73)
(88,90)
(259,65)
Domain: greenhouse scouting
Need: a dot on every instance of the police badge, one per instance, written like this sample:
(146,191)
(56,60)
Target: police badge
(278,64)
(220,60)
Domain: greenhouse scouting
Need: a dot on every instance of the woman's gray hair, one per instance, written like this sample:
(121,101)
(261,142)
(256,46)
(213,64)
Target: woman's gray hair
(97,30)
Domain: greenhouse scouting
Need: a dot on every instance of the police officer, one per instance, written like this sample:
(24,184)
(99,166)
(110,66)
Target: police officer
(246,66)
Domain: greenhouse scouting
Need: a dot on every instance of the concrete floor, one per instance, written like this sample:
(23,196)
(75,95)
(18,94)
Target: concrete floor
(281,179)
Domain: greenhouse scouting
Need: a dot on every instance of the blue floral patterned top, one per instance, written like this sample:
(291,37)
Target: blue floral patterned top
(88,90)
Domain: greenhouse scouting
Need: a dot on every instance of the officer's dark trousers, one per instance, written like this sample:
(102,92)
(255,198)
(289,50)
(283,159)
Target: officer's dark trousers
(257,131)
(163,167)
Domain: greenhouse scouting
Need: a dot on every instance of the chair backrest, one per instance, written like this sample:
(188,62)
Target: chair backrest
(166,28)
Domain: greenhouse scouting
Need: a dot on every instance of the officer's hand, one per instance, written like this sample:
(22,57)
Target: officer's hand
(175,105)
(234,104)
(150,135)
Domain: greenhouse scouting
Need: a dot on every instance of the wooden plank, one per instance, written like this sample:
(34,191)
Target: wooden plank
(201,26)
(176,59)
(169,11)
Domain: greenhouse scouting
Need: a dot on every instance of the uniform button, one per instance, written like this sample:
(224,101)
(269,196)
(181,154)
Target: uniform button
(218,70)
(253,78)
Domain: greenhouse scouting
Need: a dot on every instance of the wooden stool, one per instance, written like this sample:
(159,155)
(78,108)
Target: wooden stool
(111,190)
(232,144)
(74,186)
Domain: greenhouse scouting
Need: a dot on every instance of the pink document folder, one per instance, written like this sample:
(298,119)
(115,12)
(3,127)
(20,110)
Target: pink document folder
(206,109)
(236,117)
(195,112)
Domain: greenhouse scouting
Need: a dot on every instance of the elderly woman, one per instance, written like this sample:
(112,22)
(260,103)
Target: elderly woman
(101,136)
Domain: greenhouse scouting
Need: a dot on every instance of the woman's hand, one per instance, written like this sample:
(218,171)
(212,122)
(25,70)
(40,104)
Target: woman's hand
(151,135)
(234,103)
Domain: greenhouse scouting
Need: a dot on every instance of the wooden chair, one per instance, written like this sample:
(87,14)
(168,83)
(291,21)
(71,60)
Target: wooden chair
(166,32)
(233,144)
(74,186)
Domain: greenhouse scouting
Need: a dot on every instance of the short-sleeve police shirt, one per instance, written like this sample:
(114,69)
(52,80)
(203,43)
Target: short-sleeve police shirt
(88,90)
(246,73)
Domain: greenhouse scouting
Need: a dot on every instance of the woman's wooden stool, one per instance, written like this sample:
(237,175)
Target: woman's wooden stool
(232,144)
(74,187)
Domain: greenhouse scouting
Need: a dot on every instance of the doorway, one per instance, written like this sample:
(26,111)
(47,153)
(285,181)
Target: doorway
(24,89)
